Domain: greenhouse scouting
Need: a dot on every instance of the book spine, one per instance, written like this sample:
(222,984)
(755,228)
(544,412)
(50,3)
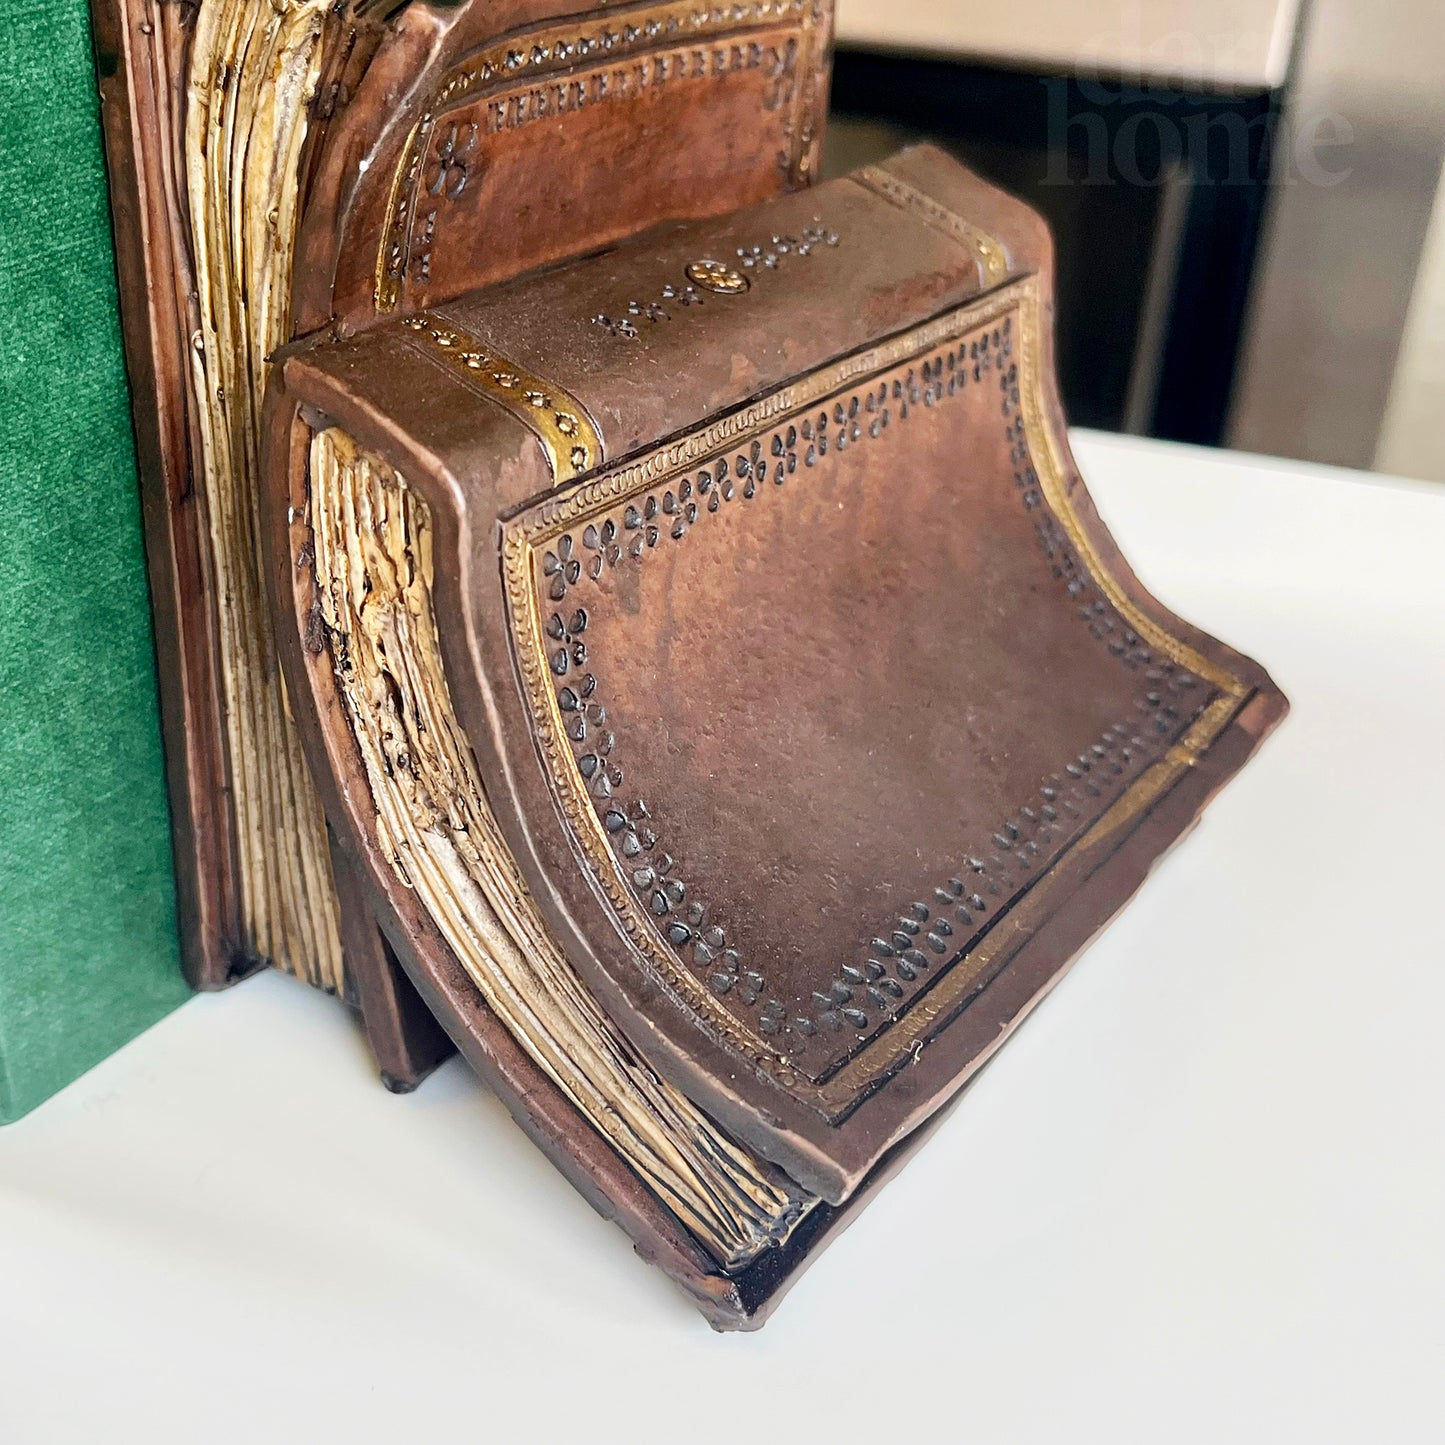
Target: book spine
(88,952)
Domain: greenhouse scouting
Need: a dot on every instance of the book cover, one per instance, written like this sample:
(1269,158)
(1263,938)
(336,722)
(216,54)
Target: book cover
(88,951)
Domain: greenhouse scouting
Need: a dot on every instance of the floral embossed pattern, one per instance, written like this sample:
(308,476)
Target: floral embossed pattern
(718,278)
(555,70)
(925,935)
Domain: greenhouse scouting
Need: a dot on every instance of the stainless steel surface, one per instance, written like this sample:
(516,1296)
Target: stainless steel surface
(1366,111)
(1412,443)
(1158,297)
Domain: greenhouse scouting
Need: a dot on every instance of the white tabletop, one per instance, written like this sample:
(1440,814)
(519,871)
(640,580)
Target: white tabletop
(1201,1197)
(1207,43)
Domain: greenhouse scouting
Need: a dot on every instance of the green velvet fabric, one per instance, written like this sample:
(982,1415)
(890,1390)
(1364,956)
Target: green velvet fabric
(88,952)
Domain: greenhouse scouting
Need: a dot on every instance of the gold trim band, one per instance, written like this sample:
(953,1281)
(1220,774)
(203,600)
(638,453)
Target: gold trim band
(993,263)
(560,422)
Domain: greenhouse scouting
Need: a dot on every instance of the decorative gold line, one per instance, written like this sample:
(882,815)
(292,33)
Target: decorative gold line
(391,253)
(595,495)
(557,419)
(1011,930)
(993,263)
(599,40)
(525,534)
(800,161)
(1048,462)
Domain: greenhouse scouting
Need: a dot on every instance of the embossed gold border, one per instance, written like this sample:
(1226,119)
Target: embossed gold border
(562,425)
(556,48)
(987,250)
(525,535)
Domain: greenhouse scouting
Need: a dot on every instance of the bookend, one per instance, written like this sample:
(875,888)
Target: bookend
(627,613)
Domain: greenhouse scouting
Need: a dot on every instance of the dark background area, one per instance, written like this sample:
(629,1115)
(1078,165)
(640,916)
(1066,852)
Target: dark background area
(1155,197)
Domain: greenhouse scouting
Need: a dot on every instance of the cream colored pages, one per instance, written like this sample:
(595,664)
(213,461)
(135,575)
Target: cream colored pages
(373,559)
(254,67)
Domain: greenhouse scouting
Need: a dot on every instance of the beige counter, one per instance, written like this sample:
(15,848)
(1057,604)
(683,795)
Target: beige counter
(1225,44)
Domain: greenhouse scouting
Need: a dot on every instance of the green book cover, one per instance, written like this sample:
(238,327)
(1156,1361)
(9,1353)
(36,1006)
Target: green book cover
(88,948)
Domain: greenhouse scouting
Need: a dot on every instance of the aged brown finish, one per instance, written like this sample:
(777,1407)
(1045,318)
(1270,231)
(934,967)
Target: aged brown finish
(821,721)
(138,44)
(500,137)
(819,711)
(445,147)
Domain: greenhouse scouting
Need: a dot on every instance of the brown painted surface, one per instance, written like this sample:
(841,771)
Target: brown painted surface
(907,729)
(542,187)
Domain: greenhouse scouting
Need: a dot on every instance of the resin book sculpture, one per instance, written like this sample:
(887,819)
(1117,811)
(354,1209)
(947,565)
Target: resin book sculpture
(690,674)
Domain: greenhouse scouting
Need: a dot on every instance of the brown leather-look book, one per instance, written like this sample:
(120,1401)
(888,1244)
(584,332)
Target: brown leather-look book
(289,168)
(725,695)
(622,608)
